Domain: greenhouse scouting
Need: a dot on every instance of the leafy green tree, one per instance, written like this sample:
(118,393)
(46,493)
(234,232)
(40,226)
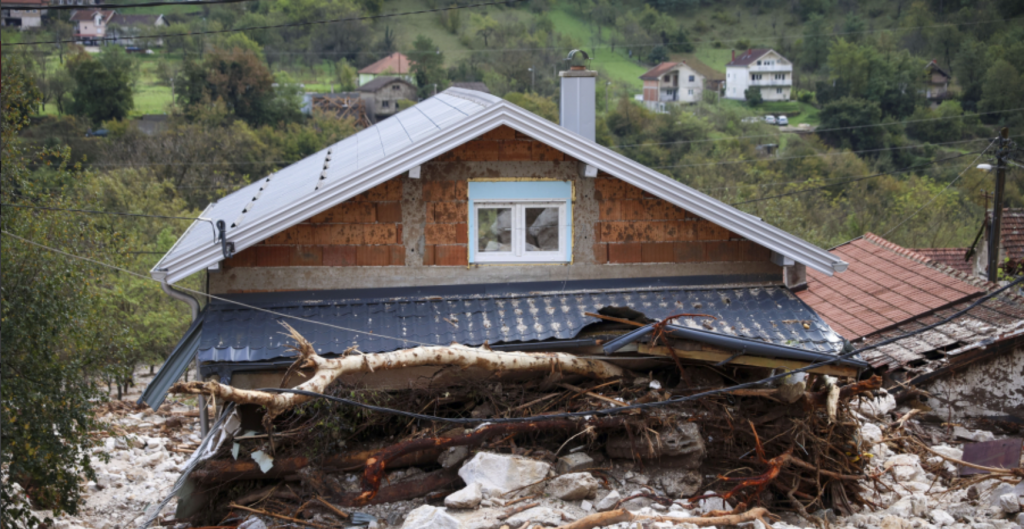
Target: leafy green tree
(816,43)
(427,66)
(544,107)
(970,66)
(658,55)
(487,26)
(103,87)
(753,96)
(53,331)
(346,75)
(937,131)
(1001,90)
(852,112)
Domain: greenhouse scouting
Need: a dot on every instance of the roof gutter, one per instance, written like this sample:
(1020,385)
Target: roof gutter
(735,343)
(193,305)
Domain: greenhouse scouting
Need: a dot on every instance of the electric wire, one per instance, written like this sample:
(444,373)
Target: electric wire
(940,193)
(850,180)
(607,411)
(276,26)
(108,7)
(96,212)
(646,405)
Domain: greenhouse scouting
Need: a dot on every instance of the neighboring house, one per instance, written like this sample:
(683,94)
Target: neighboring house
(394,65)
(936,82)
(671,82)
(971,366)
(760,67)
(30,14)
(83,3)
(381,96)
(466,218)
(713,79)
(474,85)
(955,258)
(123,27)
(91,25)
(1011,244)
(344,105)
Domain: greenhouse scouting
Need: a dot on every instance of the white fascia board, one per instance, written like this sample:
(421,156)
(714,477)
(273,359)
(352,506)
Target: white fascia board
(339,191)
(504,113)
(159,270)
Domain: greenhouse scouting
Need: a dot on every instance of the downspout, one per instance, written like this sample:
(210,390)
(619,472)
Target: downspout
(193,305)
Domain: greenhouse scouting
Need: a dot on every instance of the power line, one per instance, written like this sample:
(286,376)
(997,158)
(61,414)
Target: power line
(940,193)
(111,7)
(646,405)
(607,411)
(849,180)
(95,212)
(833,129)
(822,154)
(276,26)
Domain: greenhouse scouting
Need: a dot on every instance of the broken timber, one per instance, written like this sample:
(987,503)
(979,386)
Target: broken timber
(753,361)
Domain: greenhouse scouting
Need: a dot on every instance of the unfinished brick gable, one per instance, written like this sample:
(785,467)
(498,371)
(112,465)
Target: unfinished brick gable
(446,232)
(637,227)
(503,144)
(363,231)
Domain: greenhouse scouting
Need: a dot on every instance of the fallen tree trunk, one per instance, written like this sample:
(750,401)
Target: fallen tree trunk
(376,465)
(405,490)
(328,370)
(224,470)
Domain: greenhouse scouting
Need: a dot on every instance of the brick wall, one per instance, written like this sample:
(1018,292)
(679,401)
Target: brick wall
(636,227)
(502,145)
(446,231)
(363,231)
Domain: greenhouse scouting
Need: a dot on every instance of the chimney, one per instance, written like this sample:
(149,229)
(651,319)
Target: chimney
(577,109)
(733,55)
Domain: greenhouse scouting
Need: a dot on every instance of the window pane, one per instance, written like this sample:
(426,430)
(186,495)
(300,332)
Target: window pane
(494,227)
(542,229)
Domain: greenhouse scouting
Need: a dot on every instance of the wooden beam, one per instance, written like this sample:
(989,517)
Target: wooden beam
(753,361)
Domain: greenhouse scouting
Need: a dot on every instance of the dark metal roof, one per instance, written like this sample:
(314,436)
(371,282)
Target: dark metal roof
(496,314)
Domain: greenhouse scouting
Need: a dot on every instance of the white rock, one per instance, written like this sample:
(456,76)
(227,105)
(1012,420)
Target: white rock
(895,522)
(577,462)
(453,456)
(538,515)
(467,498)
(429,517)
(586,506)
(870,433)
(252,522)
(498,474)
(906,467)
(941,518)
(1009,503)
(713,504)
(608,502)
(572,487)
(998,491)
(915,505)
(978,436)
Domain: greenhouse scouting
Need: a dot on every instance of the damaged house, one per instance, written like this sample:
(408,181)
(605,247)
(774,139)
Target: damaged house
(468,220)
(968,369)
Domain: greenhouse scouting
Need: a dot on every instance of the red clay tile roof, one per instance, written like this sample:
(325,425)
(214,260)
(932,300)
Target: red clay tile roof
(655,73)
(749,57)
(884,286)
(951,257)
(86,15)
(395,63)
(1012,229)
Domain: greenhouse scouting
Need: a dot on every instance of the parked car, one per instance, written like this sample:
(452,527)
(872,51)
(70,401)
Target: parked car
(783,121)
(769,119)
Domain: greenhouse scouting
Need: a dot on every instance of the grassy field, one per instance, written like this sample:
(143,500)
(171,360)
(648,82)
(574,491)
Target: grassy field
(616,65)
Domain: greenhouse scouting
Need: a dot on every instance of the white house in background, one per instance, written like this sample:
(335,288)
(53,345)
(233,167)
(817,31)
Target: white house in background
(671,82)
(91,25)
(23,14)
(761,67)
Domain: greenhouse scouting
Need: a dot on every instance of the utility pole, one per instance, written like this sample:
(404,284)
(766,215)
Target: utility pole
(994,238)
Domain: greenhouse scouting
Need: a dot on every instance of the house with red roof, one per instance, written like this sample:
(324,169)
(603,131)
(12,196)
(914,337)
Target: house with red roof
(394,65)
(1011,240)
(672,82)
(91,25)
(764,68)
(969,366)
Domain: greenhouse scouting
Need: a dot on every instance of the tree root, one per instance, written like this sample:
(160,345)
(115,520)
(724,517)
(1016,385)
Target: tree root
(621,515)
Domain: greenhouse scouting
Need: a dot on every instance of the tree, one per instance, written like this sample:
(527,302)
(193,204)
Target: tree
(538,104)
(658,55)
(487,27)
(753,95)
(852,112)
(1001,90)
(816,43)
(103,87)
(427,66)
(54,332)
(970,66)
(346,75)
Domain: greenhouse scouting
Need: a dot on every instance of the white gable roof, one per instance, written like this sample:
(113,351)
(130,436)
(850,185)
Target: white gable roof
(413,137)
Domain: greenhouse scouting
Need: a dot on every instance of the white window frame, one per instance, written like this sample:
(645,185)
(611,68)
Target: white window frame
(519,253)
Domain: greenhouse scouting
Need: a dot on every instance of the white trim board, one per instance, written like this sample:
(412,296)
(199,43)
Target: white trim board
(457,116)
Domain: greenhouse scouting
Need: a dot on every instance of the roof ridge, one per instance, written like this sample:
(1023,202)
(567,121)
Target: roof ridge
(971,280)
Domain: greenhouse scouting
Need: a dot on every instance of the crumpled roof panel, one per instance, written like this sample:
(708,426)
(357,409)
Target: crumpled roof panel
(336,321)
